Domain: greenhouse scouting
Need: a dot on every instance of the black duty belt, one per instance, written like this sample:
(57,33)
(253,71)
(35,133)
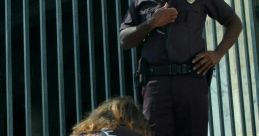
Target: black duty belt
(169,70)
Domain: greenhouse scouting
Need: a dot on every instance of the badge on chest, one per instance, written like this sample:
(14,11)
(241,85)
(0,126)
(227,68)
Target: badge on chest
(190,1)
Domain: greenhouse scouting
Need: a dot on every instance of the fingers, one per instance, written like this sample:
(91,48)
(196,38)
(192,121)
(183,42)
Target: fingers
(165,15)
(173,14)
(165,6)
(202,64)
(204,68)
(173,18)
(172,11)
(204,61)
(207,69)
(198,57)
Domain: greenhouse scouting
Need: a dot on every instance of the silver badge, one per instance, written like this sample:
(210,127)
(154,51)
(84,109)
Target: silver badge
(190,1)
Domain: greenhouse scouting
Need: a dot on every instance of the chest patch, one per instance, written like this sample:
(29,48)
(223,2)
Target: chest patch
(148,10)
(190,1)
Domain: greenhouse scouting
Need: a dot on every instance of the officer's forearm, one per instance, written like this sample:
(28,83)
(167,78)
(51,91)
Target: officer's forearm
(133,36)
(233,29)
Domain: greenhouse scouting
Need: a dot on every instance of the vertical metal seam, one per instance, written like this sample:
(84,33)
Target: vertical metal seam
(211,123)
(134,67)
(44,83)
(241,93)
(221,114)
(240,86)
(106,49)
(120,51)
(27,82)
(230,92)
(255,53)
(248,70)
(8,49)
(62,116)
(91,53)
(230,97)
(77,60)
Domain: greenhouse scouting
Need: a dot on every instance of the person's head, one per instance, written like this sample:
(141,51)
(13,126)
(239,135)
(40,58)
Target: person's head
(113,113)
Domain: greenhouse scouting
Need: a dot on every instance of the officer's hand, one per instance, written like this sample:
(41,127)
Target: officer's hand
(204,61)
(163,16)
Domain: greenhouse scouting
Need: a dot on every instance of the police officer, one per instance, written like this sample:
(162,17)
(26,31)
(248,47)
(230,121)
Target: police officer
(170,35)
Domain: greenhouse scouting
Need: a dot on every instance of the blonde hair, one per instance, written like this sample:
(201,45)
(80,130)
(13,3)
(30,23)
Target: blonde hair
(111,114)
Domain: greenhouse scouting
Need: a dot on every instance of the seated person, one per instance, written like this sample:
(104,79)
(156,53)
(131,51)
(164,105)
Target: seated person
(115,117)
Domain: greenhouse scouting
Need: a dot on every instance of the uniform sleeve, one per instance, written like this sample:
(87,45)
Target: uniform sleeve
(219,10)
(131,17)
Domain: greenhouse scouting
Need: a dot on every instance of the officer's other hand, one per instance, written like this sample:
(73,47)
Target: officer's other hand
(204,61)
(163,16)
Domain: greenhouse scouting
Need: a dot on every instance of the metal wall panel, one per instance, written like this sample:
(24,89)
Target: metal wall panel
(27,79)
(120,52)
(62,117)
(106,50)
(77,60)
(91,52)
(43,54)
(8,61)
(234,103)
(234,89)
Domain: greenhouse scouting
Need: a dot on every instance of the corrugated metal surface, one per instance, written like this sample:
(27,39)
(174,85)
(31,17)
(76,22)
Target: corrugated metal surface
(57,62)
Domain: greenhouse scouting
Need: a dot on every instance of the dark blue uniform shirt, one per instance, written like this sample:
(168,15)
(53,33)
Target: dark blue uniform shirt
(180,41)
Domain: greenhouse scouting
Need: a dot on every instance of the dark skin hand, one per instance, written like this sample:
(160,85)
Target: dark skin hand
(133,36)
(206,60)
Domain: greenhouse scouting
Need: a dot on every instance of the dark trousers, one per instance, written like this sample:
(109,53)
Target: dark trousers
(176,106)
